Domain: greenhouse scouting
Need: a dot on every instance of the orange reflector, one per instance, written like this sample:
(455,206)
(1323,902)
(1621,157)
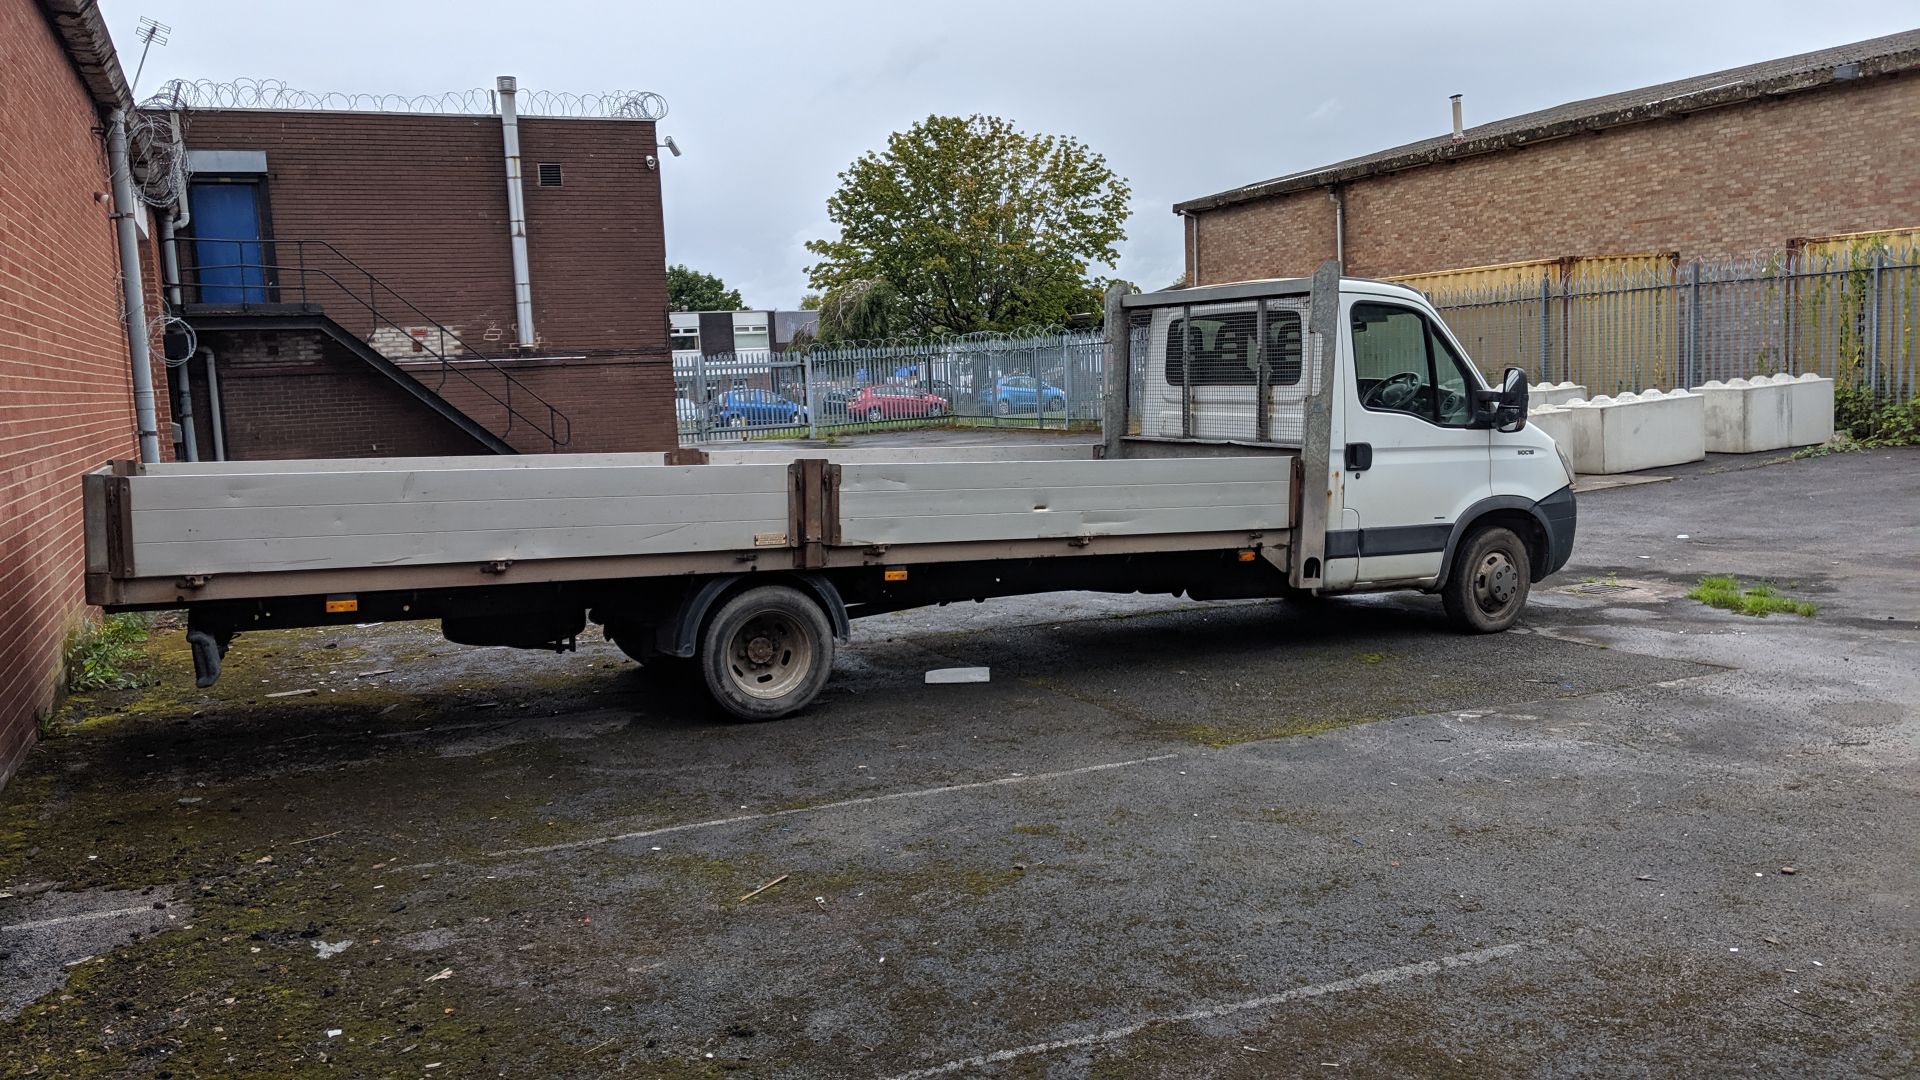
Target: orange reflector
(896,573)
(1246,556)
(339,604)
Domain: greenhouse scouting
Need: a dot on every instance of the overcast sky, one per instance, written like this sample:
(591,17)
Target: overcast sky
(771,100)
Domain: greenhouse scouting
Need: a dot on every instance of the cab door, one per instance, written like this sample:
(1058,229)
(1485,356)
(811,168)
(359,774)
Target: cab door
(1414,460)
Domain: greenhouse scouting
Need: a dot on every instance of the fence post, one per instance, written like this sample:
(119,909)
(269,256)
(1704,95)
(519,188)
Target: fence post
(1873,321)
(1693,325)
(702,401)
(1546,329)
(1066,378)
(813,397)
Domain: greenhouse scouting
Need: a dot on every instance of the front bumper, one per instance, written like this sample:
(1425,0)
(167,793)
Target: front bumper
(1559,516)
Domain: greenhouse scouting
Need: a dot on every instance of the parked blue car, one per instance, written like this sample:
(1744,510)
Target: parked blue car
(757,407)
(1024,394)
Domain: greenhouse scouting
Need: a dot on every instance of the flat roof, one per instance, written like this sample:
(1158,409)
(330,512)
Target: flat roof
(1881,56)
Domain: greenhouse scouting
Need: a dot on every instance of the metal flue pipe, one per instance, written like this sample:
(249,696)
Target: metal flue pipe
(1459,129)
(516,211)
(146,418)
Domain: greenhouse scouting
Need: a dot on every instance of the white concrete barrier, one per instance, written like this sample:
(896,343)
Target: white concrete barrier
(1811,408)
(1746,416)
(1556,421)
(1648,430)
(1767,412)
(1548,393)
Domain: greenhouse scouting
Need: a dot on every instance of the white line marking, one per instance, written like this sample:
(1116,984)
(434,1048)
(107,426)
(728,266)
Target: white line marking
(1371,978)
(81,917)
(1022,778)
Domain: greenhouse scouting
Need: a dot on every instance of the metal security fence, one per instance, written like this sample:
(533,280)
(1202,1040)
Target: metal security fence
(1849,314)
(1052,382)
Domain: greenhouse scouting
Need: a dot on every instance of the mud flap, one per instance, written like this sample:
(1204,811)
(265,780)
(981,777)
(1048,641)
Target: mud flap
(208,650)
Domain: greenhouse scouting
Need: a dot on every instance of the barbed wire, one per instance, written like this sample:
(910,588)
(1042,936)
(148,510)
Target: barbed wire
(277,95)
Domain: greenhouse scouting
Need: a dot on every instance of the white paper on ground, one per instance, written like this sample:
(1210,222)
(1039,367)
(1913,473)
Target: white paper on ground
(959,675)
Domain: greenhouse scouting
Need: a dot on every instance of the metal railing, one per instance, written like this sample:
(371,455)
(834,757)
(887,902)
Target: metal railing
(275,276)
(1051,382)
(1851,315)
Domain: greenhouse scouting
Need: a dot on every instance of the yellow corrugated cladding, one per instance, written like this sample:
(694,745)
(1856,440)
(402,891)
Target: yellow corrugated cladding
(1474,278)
(1848,247)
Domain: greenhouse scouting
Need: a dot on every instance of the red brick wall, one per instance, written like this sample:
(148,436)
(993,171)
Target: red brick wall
(66,399)
(420,200)
(615,404)
(1743,179)
(298,394)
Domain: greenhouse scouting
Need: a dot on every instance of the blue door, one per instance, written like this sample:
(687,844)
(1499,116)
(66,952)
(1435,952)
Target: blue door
(227,250)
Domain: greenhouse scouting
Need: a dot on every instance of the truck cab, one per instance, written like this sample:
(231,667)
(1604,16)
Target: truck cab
(1420,455)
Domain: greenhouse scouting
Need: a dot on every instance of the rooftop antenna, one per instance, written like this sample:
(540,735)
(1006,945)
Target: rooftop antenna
(151,33)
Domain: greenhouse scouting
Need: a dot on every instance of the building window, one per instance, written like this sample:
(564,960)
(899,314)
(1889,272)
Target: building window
(549,173)
(686,340)
(749,336)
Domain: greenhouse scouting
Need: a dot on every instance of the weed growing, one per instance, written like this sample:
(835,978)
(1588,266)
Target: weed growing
(1759,601)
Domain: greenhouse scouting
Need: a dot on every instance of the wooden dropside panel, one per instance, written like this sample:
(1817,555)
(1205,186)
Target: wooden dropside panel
(244,523)
(917,504)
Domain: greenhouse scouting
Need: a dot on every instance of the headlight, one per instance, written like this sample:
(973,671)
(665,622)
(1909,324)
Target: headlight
(1565,461)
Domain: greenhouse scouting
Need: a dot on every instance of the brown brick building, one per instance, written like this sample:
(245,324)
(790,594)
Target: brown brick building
(66,390)
(1733,163)
(350,275)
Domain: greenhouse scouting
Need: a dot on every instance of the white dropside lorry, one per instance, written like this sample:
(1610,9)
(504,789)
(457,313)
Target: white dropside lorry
(1264,439)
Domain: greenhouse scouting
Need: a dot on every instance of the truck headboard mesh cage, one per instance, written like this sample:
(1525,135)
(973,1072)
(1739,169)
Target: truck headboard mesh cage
(1226,371)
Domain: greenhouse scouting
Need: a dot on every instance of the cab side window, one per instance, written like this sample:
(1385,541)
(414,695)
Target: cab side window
(1402,363)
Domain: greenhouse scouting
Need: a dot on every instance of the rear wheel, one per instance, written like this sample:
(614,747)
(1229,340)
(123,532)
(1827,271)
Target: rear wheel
(1002,407)
(766,653)
(1487,587)
(638,643)
(1056,404)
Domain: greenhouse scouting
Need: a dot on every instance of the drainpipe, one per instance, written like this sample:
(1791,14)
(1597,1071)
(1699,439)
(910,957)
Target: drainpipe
(145,416)
(516,211)
(213,402)
(1339,199)
(189,439)
(1193,250)
(169,259)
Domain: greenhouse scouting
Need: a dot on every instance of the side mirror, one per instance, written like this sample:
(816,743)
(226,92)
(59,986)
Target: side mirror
(1507,409)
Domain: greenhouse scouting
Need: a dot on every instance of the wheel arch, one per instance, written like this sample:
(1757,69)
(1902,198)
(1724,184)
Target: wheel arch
(1517,513)
(679,634)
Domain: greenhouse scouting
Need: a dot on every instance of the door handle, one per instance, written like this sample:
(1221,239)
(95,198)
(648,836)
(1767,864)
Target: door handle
(1359,457)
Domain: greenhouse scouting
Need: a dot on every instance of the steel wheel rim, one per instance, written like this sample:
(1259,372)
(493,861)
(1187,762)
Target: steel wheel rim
(771,655)
(1496,581)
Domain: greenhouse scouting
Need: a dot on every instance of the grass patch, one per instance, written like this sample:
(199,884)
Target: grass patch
(107,655)
(1760,600)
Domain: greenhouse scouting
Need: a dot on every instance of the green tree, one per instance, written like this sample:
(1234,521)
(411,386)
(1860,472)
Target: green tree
(810,302)
(970,224)
(691,290)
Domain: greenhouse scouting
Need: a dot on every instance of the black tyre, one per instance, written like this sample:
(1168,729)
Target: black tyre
(875,414)
(1003,407)
(1487,586)
(1056,404)
(766,653)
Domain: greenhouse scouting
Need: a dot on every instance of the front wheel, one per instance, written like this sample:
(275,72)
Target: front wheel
(766,653)
(875,414)
(1488,583)
(1056,404)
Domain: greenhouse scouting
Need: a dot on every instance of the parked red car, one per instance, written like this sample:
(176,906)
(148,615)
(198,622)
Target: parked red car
(895,403)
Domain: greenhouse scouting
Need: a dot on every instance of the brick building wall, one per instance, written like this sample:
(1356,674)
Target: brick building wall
(299,394)
(66,396)
(612,404)
(421,201)
(1742,179)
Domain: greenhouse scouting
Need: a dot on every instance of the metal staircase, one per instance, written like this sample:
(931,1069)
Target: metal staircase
(313,285)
